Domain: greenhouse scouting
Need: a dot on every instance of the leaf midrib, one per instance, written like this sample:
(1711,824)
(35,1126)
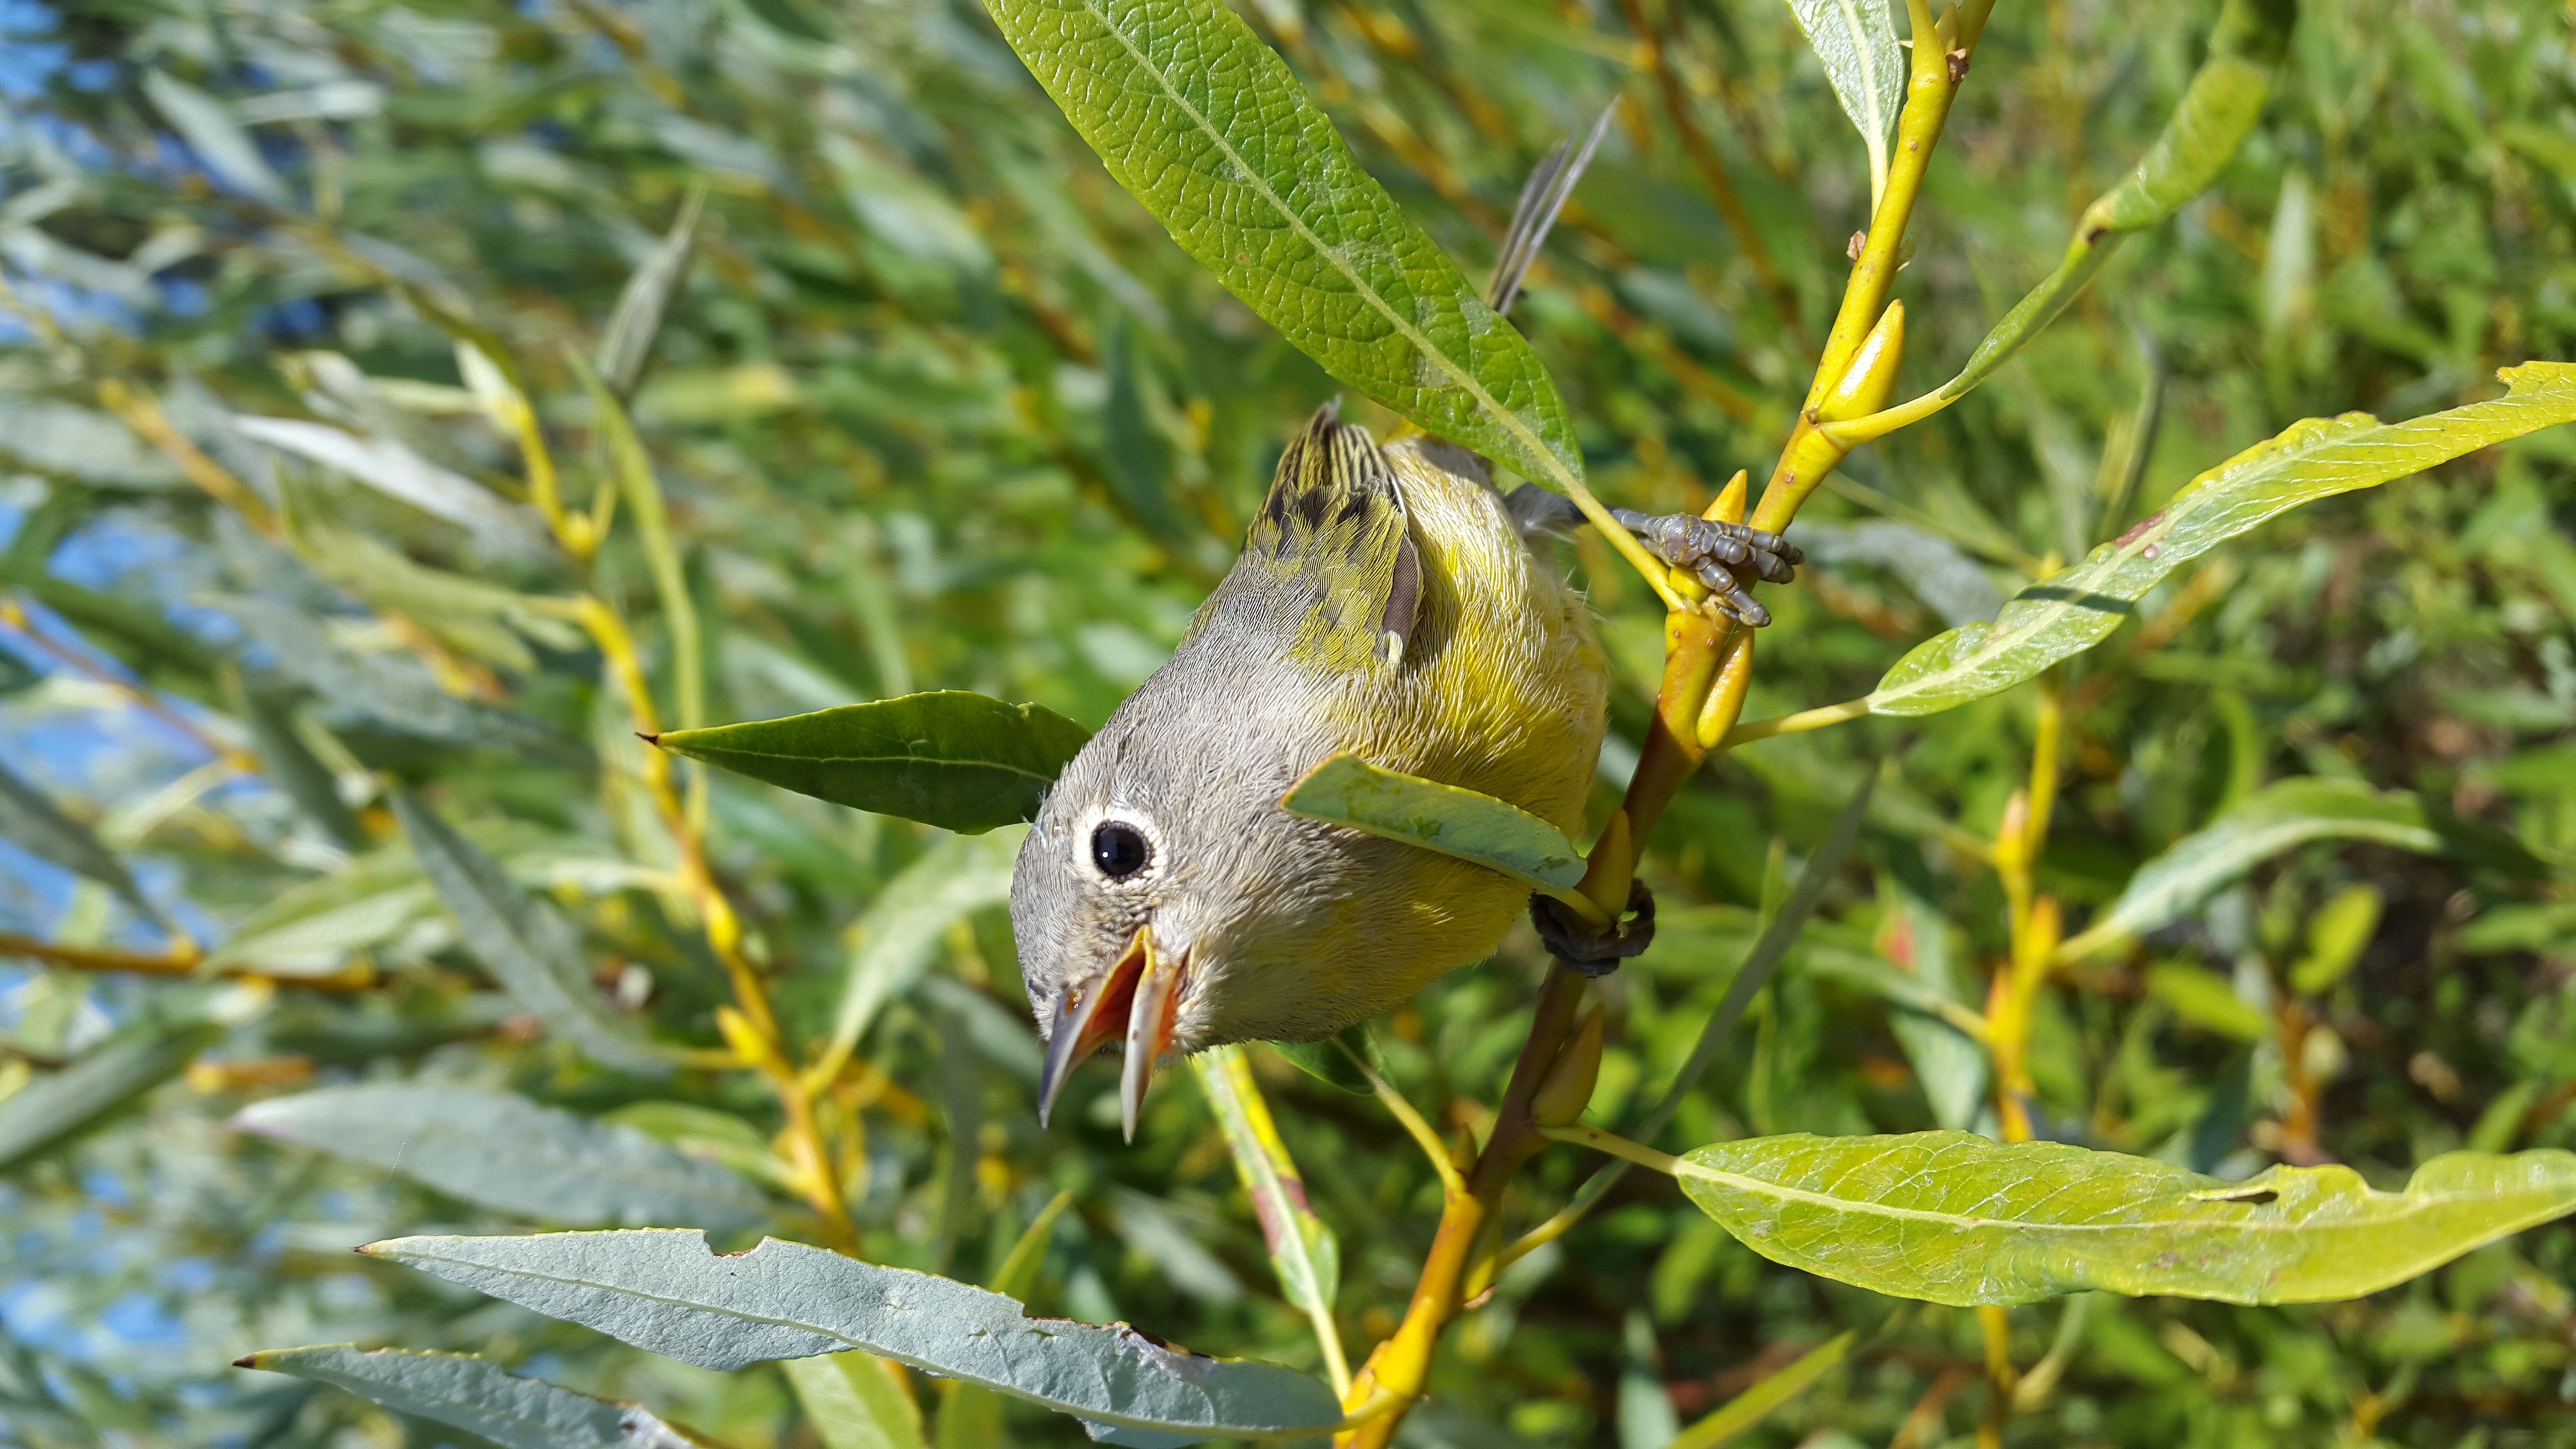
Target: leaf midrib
(949,761)
(1486,401)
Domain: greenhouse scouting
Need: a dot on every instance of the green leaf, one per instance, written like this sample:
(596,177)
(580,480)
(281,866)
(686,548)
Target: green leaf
(1330,1061)
(297,770)
(960,761)
(476,1395)
(666,1292)
(208,127)
(1349,791)
(2205,998)
(526,944)
(628,339)
(1957,1219)
(1303,1250)
(1755,1404)
(30,820)
(643,494)
(1205,125)
(856,1401)
(1856,39)
(503,1151)
(393,690)
(908,920)
(391,468)
(55,1107)
(2279,817)
(2336,936)
(2216,114)
(2317,458)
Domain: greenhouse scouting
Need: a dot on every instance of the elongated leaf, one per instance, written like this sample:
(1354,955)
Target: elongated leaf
(1204,124)
(396,691)
(960,761)
(856,1401)
(30,820)
(475,1395)
(1327,1061)
(396,471)
(292,764)
(2217,112)
(628,340)
(528,947)
(665,1291)
(1347,790)
(1856,40)
(643,494)
(1756,1403)
(893,941)
(219,141)
(1952,1218)
(2276,818)
(1303,1250)
(504,1151)
(2314,459)
(57,1106)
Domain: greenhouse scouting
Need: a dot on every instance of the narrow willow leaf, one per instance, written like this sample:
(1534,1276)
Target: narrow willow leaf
(892,943)
(666,1292)
(960,761)
(528,947)
(393,690)
(628,340)
(2217,112)
(57,1106)
(1205,125)
(1755,1404)
(503,1151)
(1958,1219)
(2278,817)
(643,494)
(856,1401)
(1347,790)
(475,1395)
(397,472)
(30,820)
(1303,1250)
(1331,1061)
(292,764)
(1856,40)
(219,140)
(2314,459)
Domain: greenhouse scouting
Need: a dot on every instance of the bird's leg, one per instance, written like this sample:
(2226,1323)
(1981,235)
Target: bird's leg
(1727,557)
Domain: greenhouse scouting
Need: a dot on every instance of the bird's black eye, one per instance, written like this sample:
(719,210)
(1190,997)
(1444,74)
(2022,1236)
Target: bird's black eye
(1119,849)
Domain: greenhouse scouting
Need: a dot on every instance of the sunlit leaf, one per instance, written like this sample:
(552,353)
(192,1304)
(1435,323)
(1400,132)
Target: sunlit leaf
(1952,1218)
(2314,459)
(1856,39)
(960,761)
(2218,111)
(628,339)
(503,1151)
(1206,126)
(1755,1404)
(1347,790)
(1303,1250)
(856,1401)
(665,1291)
(2207,999)
(528,947)
(478,1396)
(893,941)
(2276,818)
(59,1105)
(219,140)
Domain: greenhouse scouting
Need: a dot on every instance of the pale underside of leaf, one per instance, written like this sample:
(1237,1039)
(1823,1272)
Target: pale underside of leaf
(1958,1219)
(2281,817)
(665,1291)
(475,1395)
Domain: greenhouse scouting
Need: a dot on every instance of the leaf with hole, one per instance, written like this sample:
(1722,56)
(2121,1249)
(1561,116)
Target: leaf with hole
(666,1292)
(2314,459)
(500,1150)
(1952,1218)
(960,761)
(475,1395)
(1205,125)
(1349,791)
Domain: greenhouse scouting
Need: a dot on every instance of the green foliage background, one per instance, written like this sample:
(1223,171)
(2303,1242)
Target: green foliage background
(937,406)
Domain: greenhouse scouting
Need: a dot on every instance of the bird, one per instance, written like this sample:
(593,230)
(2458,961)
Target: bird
(1390,602)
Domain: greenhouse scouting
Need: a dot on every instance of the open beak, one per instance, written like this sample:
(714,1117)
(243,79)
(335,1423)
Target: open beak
(1137,1001)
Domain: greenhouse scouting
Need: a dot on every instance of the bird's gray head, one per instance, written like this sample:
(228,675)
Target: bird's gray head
(1159,863)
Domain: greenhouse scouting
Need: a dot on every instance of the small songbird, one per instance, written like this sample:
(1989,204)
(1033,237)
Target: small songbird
(1390,603)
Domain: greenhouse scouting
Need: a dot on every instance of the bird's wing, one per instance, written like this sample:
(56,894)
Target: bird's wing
(1330,557)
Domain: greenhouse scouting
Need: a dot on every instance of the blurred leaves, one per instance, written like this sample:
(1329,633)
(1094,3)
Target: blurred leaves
(477,1396)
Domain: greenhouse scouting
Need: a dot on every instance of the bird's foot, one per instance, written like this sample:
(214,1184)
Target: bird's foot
(1727,557)
(1595,950)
